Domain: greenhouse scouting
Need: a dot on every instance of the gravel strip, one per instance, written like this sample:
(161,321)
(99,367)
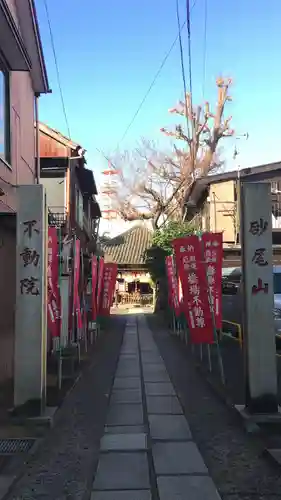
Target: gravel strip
(64,466)
(235,460)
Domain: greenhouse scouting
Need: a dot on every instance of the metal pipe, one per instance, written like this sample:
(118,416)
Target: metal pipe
(215,210)
(37,140)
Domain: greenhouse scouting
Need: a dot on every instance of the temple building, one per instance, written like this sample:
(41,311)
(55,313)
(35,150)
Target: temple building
(127,250)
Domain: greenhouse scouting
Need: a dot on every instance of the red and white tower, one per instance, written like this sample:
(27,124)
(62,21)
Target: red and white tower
(109,193)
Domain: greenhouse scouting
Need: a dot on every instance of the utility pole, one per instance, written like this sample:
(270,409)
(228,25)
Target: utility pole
(238,183)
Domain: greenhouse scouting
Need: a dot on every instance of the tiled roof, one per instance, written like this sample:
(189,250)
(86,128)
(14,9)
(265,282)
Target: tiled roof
(128,247)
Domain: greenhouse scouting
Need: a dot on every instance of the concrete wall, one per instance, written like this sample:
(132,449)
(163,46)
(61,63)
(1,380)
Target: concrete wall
(56,193)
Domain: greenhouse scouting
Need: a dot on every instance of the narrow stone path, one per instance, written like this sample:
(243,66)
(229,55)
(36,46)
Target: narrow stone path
(147,451)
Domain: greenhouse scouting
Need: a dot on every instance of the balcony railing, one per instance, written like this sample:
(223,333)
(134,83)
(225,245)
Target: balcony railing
(57,217)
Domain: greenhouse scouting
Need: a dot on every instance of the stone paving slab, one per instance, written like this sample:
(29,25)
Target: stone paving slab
(124,442)
(168,405)
(128,363)
(125,429)
(186,488)
(169,427)
(125,414)
(156,377)
(177,458)
(129,357)
(129,350)
(126,383)
(150,357)
(117,471)
(155,368)
(159,389)
(131,342)
(151,350)
(128,372)
(122,495)
(126,396)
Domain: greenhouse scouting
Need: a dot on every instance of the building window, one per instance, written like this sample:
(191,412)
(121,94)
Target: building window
(4,116)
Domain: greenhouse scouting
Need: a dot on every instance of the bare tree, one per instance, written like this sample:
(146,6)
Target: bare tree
(153,183)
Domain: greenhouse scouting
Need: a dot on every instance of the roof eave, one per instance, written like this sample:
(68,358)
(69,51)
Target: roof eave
(57,136)
(11,42)
(30,28)
(45,81)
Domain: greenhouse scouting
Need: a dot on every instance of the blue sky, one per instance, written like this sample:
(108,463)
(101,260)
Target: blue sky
(108,53)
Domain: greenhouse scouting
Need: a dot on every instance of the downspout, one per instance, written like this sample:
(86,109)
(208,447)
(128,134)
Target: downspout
(215,210)
(37,140)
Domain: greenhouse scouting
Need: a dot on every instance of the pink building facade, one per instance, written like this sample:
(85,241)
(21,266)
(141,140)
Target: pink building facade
(23,79)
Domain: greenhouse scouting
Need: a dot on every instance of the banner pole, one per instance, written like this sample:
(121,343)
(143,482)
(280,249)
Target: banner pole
(60,315)
(73,291)
(209,357)
(213,320)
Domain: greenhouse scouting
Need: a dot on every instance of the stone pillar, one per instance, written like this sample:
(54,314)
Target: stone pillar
(31,298)
(258,298)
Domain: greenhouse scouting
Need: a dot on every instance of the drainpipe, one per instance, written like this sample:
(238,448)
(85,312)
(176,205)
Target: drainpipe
(37,140)
(215,210)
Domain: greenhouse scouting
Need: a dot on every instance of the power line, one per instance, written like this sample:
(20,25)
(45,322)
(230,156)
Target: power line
(182,66)
(189,47)
(151,86)
(57,67)
(167,55)
(205,47)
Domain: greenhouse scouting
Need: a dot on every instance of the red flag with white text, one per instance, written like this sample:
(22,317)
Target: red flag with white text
(77,307)
(100,280)
(191,270)
(53,308)
(172,284)
(94,286)
(213,256)
(109,283)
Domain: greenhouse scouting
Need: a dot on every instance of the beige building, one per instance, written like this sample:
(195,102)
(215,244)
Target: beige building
(214,202)
(23,78)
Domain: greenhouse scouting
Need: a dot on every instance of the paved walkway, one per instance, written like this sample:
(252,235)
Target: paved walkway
(147,451)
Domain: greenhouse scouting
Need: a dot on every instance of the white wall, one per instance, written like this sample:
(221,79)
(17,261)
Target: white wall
(56,193)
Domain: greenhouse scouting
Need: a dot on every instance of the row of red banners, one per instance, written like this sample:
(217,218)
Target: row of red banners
(194,280)
(103,287)
(53,304)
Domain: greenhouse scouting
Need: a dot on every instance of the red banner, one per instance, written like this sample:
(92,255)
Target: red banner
(109,282)
(213,254)
(77,308)
(53,308)
(94,286)
(172,285)
(188,253)
(76,269)
(100,278)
